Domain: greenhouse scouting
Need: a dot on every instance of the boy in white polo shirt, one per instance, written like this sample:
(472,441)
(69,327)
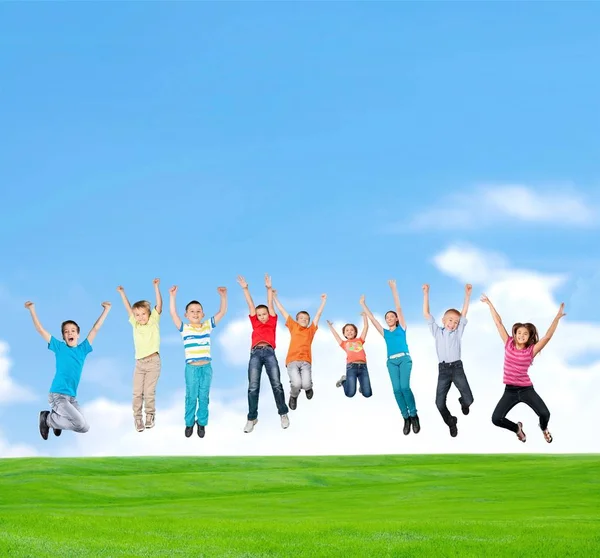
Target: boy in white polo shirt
(447,344)
(198,370)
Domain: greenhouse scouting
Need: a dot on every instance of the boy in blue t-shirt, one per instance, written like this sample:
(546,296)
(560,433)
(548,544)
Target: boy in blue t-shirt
(66,413)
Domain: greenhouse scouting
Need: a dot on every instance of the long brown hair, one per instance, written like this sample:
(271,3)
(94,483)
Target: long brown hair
(533,333)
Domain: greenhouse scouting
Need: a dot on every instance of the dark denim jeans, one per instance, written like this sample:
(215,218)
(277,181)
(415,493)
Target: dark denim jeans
(357,371)
(519,394)
(452,373)
(259,357)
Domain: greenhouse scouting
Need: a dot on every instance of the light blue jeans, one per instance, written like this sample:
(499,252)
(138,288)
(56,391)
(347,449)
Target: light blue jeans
(400,369)
(197,386)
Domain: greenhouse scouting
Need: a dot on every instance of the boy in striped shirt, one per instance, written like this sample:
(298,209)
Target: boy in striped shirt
(198,370)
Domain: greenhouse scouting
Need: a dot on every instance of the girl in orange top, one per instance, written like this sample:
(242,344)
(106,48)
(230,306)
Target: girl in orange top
(356,359)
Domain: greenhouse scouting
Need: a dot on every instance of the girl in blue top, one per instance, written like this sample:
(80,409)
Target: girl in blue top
(399,363)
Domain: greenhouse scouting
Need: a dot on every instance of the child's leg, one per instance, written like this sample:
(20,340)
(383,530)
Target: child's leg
(66,414)
(364,381)
(191,393)
(272,369)
(531,398)
(462,385)
(393,366)
(254,369)
(138,389)
(405,371)
(443,387)
(293,369)
(150,380)
(507,402)
(306,375)
(349,383)
(205,378)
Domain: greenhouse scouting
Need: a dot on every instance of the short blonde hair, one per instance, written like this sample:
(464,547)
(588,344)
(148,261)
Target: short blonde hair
(142,305)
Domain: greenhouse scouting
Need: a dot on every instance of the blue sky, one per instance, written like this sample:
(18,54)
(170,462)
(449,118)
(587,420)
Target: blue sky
(196,141)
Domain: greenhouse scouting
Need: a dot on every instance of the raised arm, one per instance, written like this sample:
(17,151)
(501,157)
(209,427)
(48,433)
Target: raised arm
(465,308)
(369,314)
(279,305)
(121,291)
(497,319)
(96,327)
(251,308)
(335,333)
(320,310)
(36,322)
(173,307)
(392,284)
(544,340)
(159,300)
(223,306)
(363,334)
(269,286)
(426,311)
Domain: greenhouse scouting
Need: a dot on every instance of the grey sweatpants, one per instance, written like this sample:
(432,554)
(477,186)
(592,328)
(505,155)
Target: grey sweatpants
(300,373)
(66,413)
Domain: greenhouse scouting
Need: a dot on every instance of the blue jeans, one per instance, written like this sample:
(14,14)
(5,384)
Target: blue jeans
(197,386)
(357,371)
(400,369)
(264,355)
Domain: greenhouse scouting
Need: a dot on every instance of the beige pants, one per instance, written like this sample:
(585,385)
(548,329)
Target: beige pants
(145,378)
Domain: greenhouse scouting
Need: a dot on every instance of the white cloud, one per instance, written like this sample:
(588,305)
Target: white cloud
(10,391)
(492,205)
(332,424)
(15,450)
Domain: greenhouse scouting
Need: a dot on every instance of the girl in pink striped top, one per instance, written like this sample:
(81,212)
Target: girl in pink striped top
(519,351)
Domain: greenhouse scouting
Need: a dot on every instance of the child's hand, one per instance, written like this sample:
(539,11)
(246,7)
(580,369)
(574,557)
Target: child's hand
(156,282)
(392,283)
(120,289)
(323,297)
(468,289)
(361,300)
(425,288)
(106,305)
(268,283)
(242,282)
(222,290)
(29,305)
(329,323)
(274,291)
(485,299)
(561,312)
(173,290)
(363,314)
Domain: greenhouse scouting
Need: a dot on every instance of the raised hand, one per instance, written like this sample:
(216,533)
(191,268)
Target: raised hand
(156,281)
(268,283)
(222,290)
(468,289)
(106,305)
(363,314)
(426,288)
(361,300)
(274,291)
(485,299)
(392,283)
(120,289)
(561,312)
(29,305)
(242,282)
(173,290)
(330,324)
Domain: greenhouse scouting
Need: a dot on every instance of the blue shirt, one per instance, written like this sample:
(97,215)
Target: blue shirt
(395,341)
(69,365)
(447,343)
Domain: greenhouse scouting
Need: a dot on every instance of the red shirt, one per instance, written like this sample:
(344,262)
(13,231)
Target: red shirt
(263,333)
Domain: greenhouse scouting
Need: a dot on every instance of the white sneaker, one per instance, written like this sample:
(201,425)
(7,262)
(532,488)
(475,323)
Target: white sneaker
(340,381)
(285,421)
(139,424)
(250,426)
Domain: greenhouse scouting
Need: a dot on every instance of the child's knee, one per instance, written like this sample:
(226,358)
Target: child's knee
(497,419)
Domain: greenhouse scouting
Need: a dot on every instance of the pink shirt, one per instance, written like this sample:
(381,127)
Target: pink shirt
(516,364)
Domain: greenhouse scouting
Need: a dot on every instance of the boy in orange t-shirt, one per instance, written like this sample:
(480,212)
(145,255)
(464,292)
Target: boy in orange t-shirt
(299,358)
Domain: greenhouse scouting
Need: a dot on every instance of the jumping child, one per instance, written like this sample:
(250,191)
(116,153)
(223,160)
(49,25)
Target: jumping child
(519,351)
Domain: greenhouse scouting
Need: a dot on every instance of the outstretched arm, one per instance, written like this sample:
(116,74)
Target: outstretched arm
(242,282)
(544,340)
(497,319)
(223,306)
(369,314)
(173,307)
(269,286)
(392,284)
(320,310)
(279,305)
(159,300)
(36,322)
(426,311)
(121,291)
(363,335)
(335,333)
(465,308)
(92,334)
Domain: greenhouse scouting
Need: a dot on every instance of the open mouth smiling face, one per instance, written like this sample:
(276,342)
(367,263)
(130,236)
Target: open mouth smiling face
(70,335)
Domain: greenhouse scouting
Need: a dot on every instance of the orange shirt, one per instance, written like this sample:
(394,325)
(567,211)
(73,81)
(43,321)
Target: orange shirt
(354,350)
(302,338)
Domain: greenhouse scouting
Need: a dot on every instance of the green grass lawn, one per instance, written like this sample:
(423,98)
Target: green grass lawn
(426,505)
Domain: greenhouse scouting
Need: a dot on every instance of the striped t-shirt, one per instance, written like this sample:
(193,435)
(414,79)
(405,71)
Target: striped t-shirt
(516,364)
(196,340)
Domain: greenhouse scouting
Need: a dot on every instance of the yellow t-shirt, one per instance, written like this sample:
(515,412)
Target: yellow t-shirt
(146,338)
